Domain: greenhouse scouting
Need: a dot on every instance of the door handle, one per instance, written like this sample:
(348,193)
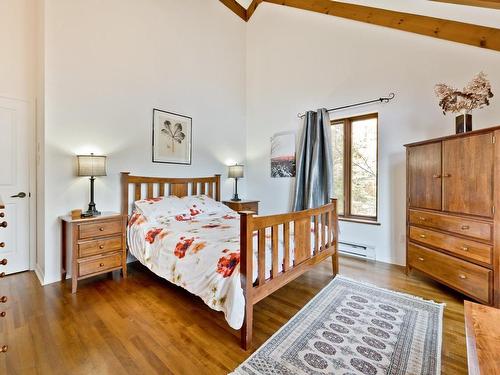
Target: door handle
(22,194)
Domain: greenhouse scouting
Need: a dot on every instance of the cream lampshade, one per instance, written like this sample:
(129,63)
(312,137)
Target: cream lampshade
(91,166)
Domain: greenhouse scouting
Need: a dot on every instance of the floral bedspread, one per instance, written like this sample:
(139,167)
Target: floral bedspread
(199,253)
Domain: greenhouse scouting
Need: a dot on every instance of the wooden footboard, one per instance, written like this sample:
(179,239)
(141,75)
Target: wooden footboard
(310,247)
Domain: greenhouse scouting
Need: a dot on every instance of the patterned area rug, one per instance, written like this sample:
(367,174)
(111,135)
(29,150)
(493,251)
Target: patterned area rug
(354,328)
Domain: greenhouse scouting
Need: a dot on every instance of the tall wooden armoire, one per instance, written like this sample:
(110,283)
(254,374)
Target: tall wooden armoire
(453,212)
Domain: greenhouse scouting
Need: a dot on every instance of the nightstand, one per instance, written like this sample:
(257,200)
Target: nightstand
(97,245)
(243,205)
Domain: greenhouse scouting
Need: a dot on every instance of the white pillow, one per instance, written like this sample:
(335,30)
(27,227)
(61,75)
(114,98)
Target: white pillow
(161,206)
(202,204)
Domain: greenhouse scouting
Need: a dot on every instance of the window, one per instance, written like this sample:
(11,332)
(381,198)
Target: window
(355,166)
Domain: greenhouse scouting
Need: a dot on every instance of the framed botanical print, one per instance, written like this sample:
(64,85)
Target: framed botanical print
(172,137)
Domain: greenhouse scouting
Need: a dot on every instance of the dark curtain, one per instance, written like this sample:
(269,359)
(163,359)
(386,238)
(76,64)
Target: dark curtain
(314,179)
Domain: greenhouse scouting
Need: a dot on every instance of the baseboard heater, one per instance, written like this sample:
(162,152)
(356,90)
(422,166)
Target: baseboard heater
(357,250)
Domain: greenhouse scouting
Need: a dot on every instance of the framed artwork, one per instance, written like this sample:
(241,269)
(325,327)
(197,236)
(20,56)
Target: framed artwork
(172,137)
(283,155)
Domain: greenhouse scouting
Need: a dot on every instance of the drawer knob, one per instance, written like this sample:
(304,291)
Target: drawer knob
(463,277)
(465,227)
(421,218)
(423,236)
(2,274)
(4,348)
(101,247)
(3,224)
(101,229)
(447,175)
(2,244)
(2,314)
(421,259)
(436,176)
(465,248)
(3,299)
(101,264)
(2,214)
(3,262)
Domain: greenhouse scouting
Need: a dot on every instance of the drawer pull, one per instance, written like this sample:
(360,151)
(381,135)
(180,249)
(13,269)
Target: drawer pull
(465,227)
(463,277)
(422,236)
(101,229)
(101,264)
(421,259)
(3,299)
(436,176)
(421,218)
(2,314)
(447,175)
(2,214)
(101,247)
(3,262)
(2,274)
(2,244)
(4,348)
(3,224)
(465,248)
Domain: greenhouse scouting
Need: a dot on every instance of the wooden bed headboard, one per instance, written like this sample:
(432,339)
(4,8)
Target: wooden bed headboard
(152,187)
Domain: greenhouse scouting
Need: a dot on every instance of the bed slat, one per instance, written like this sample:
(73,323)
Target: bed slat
(302,238)
(150,191)
(211,190)
(316,234)
(194,188)
(286,245)
(330,228)
(274,245)
(323,237)
(179,190)
(202,190)
(162,190)
(137,192)
(262,257)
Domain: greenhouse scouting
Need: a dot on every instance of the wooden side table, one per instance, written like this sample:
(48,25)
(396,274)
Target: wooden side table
(482,331)
(248,205)
(98,245)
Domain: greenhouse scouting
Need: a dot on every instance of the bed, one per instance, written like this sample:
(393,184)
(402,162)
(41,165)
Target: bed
(230,260)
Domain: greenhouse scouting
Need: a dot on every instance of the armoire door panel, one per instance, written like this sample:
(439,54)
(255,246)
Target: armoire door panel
(468,175)
(424,174)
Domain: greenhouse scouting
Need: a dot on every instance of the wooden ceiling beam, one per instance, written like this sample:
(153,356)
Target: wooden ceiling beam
(460,32)
(495,4)
(236,8)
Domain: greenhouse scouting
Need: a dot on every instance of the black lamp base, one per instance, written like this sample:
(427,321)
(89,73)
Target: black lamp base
(236,198)
(91,212)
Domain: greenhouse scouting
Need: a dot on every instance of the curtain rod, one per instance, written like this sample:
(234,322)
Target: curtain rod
(386,99)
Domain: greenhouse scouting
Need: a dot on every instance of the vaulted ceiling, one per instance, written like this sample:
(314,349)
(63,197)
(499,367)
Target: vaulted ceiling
(442,28)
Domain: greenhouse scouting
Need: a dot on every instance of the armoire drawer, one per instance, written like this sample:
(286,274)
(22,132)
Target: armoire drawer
(466,277)
(460,225)
(472,250)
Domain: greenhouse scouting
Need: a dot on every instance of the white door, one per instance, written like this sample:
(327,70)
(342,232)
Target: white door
(15,142)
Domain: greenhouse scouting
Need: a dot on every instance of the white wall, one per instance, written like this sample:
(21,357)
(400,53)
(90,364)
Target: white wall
(308,60)
(107,65)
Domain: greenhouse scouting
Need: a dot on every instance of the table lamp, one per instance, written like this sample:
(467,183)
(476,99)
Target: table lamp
(91,166)
(236,172)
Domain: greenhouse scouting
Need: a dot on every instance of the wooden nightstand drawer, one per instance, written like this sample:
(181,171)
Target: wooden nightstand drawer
(105,228)
(243,206)
(100,246)
(100,265)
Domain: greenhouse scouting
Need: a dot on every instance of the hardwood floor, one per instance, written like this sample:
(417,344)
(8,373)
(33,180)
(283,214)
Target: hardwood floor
(144,325)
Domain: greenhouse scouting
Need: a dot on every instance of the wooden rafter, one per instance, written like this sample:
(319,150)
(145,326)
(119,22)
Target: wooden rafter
(495,4)
(460,32)
(236,8)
